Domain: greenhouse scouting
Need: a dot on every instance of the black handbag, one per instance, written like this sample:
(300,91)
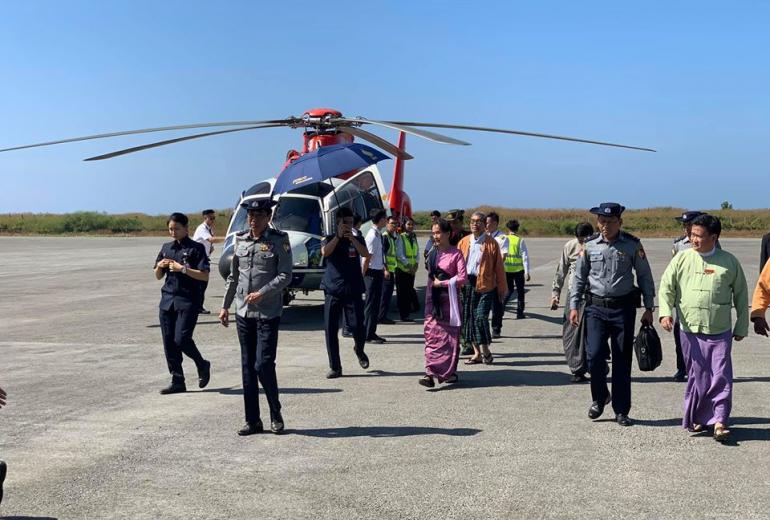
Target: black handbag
(649,353)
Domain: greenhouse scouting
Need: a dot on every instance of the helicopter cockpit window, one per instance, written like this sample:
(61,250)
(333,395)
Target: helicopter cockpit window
(298,214)
(239,221)
(258,189)
(369,194)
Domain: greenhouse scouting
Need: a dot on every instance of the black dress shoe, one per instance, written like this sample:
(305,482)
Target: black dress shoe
(204,375)
(496,333)
(204,311)
(276,422)
(333,374)
(520,316)
(680,376)
(426,381)
(174,388)
(578,378)
(597,409)
(376,339)
(363,359)
(347,334)
(251,429)
(623,420)
(3,470)
(386,321)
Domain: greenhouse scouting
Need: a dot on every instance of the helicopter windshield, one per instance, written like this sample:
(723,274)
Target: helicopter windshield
(239,221)
(298,214)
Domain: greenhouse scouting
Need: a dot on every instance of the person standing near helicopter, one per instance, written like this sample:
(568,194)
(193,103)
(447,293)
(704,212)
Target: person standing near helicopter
(184,264)
(260,271)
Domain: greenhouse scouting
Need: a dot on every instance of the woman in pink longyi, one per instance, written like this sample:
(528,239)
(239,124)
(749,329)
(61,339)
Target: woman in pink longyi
(446,274)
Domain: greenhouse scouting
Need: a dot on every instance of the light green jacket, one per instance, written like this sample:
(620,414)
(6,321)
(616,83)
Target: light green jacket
(703,290)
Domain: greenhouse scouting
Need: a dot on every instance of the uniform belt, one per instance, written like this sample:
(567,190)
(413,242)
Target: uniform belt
(610,302)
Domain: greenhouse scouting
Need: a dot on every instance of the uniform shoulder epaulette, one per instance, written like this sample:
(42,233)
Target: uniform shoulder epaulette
(677,240)
(278,232)
(593,237)
(631,237)
(241,234)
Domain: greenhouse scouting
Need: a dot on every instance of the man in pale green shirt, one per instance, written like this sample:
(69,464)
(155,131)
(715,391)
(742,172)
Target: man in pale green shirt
(703,284)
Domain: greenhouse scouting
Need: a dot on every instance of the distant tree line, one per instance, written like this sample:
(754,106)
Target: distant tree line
(534,222)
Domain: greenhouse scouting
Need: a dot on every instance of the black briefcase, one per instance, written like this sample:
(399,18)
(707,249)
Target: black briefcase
(647,347)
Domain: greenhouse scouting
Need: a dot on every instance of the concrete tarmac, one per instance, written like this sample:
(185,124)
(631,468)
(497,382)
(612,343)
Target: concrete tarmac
(86,434)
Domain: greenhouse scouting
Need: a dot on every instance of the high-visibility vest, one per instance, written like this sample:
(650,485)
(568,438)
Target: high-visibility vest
(410,251)
(390,256)
(513,260)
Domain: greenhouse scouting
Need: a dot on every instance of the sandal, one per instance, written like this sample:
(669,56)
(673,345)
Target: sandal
(721,433)
(426,381)
(697,428)
(487,358)
(472,361)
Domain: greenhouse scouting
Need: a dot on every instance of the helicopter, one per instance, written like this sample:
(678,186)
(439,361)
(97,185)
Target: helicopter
(307,213)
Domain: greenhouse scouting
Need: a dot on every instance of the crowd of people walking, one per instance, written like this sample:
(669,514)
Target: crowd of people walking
(471,276)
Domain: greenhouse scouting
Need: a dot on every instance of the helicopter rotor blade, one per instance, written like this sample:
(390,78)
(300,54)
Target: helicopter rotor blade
(518,132)
(376,140)
(275,122)
(171,141)
(425,134)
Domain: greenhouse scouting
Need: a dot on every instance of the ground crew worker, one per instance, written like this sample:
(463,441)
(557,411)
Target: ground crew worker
(604,270)
(343,286)
(260,270)
(375,272)
(389,239)
(184,264)
(516,266)
(407,250)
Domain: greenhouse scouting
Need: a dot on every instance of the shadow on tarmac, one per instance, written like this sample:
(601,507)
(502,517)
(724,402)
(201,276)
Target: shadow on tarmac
(558,320)
(738,432)
(507,377)
(239,391)
(385,431)
(27,518)
(375,373)
(527,354)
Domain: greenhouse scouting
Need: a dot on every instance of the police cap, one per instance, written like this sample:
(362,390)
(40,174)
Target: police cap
(258,205)
(608,209)
(689,216)
(454,214)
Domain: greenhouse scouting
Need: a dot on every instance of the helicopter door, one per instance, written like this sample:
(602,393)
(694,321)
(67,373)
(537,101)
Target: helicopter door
(361,193)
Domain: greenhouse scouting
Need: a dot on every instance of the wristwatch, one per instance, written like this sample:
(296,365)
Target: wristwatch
(184,269)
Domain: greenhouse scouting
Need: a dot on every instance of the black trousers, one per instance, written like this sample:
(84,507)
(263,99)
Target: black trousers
(352,307)
(373,281)
(616,327)
(176,328)
(515,280)
(680,364)
(387,295)
(259,342)
(204,286)
(406,296)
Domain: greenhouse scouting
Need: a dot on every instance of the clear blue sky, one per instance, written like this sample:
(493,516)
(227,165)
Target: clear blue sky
(691,79)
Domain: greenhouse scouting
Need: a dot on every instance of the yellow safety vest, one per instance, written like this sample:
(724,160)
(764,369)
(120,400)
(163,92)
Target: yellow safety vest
(410,251)
(513,260)
(390,256)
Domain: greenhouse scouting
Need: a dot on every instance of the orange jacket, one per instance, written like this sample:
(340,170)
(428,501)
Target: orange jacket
(491,268)
(761,300)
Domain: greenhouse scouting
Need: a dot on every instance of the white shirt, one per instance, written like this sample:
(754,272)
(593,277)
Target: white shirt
(374,245)
(203,235)
(502,240)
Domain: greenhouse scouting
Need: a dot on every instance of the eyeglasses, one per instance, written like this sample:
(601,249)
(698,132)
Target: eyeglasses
(476,221)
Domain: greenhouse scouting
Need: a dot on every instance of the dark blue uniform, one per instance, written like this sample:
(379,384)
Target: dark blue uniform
(180,302)
(343,286)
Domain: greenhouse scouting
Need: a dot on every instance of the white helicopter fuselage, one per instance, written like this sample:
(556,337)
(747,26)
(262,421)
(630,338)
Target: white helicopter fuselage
(307,215)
